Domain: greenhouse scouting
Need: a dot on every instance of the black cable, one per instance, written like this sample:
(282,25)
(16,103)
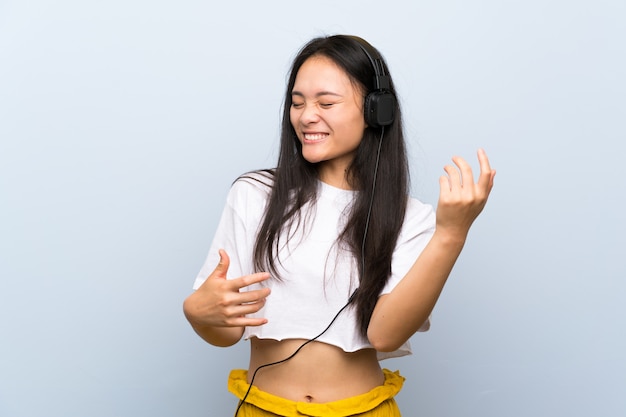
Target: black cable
(369,211)
(367,222)
(292,355)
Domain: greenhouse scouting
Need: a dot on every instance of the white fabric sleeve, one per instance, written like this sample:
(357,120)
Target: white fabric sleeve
(418,228)
(233,234)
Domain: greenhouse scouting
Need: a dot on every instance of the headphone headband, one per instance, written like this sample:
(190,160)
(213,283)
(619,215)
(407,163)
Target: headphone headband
(380,104)
(381,79)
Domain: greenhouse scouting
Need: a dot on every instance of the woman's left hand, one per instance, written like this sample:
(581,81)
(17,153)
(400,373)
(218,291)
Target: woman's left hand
(461,199)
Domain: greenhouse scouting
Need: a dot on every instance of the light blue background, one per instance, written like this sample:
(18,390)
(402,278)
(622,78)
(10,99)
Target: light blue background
(123,123)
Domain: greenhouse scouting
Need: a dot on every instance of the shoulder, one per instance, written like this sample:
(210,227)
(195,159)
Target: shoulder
(251,187)
(263,179)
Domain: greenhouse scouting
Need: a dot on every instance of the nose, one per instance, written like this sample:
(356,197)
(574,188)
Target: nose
(309,114)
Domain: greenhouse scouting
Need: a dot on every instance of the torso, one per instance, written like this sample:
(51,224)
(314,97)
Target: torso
(319,373)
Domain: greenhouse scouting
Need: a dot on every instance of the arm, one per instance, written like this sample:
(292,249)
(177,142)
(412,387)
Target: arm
(399,314)
(216,310)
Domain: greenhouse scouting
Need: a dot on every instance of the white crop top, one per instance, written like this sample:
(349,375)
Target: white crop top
(317,276)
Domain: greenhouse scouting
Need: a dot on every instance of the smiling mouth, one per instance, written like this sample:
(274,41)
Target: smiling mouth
(315,136)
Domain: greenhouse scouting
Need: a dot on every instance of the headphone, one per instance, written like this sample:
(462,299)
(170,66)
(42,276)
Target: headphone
(380,104)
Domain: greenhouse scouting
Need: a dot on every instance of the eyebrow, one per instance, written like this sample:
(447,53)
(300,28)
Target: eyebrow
(321,93)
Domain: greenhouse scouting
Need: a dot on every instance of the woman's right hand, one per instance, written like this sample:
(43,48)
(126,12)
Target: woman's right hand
(218,303)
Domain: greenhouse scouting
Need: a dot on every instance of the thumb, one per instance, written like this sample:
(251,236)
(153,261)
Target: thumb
(222,267)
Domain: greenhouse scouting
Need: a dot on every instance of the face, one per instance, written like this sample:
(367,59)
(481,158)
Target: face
(327,115)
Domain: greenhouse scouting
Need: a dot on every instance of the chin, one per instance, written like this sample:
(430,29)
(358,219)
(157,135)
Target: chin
(313,159)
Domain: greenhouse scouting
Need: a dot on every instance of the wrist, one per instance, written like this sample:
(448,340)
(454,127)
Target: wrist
(449,238)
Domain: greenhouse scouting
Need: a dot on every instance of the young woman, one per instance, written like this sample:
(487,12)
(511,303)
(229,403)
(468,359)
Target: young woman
(326,256)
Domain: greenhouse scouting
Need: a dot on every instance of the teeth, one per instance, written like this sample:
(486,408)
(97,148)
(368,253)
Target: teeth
(314,136)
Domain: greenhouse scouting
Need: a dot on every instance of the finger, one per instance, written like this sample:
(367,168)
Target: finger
(444,185)
(454,177)
(247,322)
(247,280)
(254,296)
(245,309)
(487,174)
(221,269)
(483,160)
(467,176)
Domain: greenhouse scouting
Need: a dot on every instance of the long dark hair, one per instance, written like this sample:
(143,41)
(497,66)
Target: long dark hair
(296,182)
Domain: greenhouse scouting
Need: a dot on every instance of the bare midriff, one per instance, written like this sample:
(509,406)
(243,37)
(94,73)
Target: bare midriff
(319,373)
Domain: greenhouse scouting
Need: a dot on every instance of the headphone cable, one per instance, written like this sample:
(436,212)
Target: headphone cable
(293,354)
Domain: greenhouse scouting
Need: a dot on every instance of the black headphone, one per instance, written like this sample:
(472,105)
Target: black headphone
(380,104)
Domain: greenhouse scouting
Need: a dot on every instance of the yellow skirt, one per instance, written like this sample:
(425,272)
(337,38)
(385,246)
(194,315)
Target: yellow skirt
(379,402)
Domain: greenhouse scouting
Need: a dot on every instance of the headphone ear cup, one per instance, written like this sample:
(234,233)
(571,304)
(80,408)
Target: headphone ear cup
(379,108)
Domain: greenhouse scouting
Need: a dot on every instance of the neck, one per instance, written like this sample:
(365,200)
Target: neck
(334,174)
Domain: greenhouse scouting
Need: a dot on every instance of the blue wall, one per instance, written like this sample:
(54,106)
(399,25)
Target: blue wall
(122,124)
